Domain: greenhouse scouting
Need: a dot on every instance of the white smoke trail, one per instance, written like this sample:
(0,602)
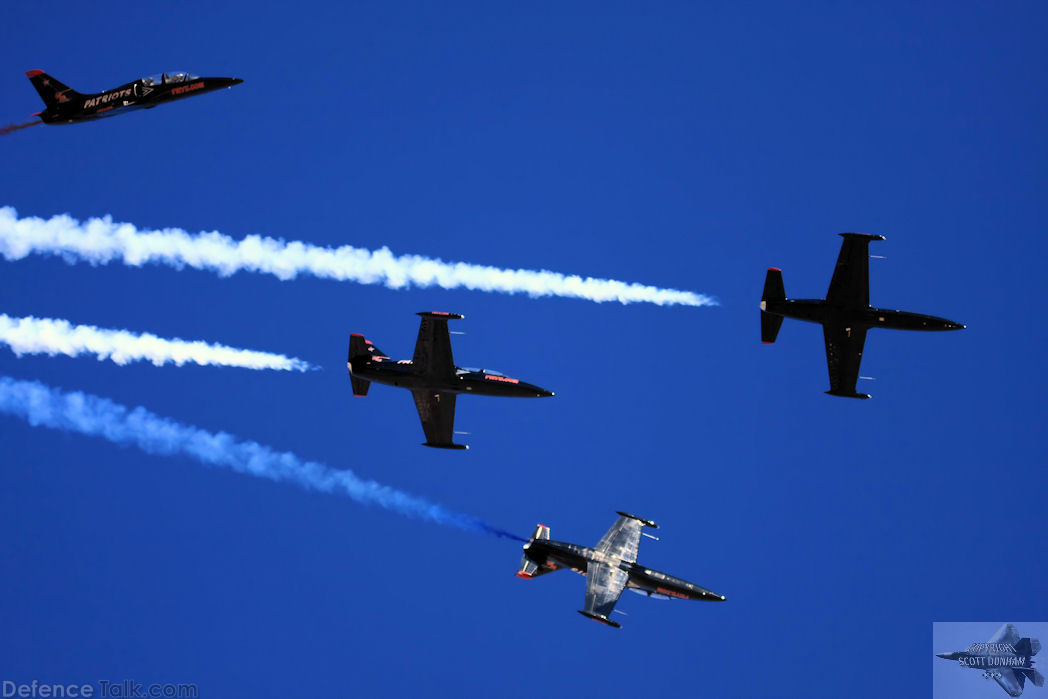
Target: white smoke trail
(43,406)
(51,336)
(100,241)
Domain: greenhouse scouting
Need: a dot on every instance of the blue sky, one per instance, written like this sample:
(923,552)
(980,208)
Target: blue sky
(682,146)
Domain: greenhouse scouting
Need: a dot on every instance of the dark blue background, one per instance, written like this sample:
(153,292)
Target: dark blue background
(676,145)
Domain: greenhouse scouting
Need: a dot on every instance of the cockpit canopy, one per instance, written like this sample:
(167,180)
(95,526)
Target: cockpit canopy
(167,78)
(474,370)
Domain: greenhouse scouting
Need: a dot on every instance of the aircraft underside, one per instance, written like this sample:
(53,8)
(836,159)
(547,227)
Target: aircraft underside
(845,314)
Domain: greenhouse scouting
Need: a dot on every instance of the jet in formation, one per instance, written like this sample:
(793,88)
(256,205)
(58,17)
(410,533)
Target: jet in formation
(67,106)
(845,313)
(432,377)
(1006,658)
(610,568)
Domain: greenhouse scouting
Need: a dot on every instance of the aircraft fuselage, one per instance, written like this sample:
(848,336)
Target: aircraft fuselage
(560,554)
(479,382)
(819,311)
(67,106)
(432,377)
(845,314)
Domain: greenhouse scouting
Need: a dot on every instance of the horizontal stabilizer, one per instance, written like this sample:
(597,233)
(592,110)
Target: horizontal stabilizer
(770,324)
(541,532)
(602,619)
(773,287)
(1036,677)
(530,569)
(360,352)
(774,294)
(360,386)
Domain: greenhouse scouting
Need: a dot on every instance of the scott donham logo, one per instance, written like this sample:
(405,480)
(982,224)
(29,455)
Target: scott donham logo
(1006,658)
(107,97)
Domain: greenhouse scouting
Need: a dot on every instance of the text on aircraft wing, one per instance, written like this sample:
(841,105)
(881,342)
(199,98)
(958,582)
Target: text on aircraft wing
(433,347)
(623,539)
(604,586)
(843,356)
(850,285)
(437,412)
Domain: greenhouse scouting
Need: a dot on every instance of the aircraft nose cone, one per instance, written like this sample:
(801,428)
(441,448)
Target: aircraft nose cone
(529,390)
(234,81)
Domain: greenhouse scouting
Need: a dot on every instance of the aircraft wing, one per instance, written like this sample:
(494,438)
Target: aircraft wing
(843,356)
(850,285)
(623,539)
(433,347)
(437,412)
(604,586)
(1011,681)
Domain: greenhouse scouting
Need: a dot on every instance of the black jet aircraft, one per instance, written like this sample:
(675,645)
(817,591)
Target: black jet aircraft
(845,314)
(1005,658)
(432,377)
(609,568)
(67,106)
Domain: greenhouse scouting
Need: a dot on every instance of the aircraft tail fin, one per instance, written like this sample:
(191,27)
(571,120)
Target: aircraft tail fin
(774,292)
(361,352)
(1028,646)
(770,324)
(529,568)
(50,90)
(361,349)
